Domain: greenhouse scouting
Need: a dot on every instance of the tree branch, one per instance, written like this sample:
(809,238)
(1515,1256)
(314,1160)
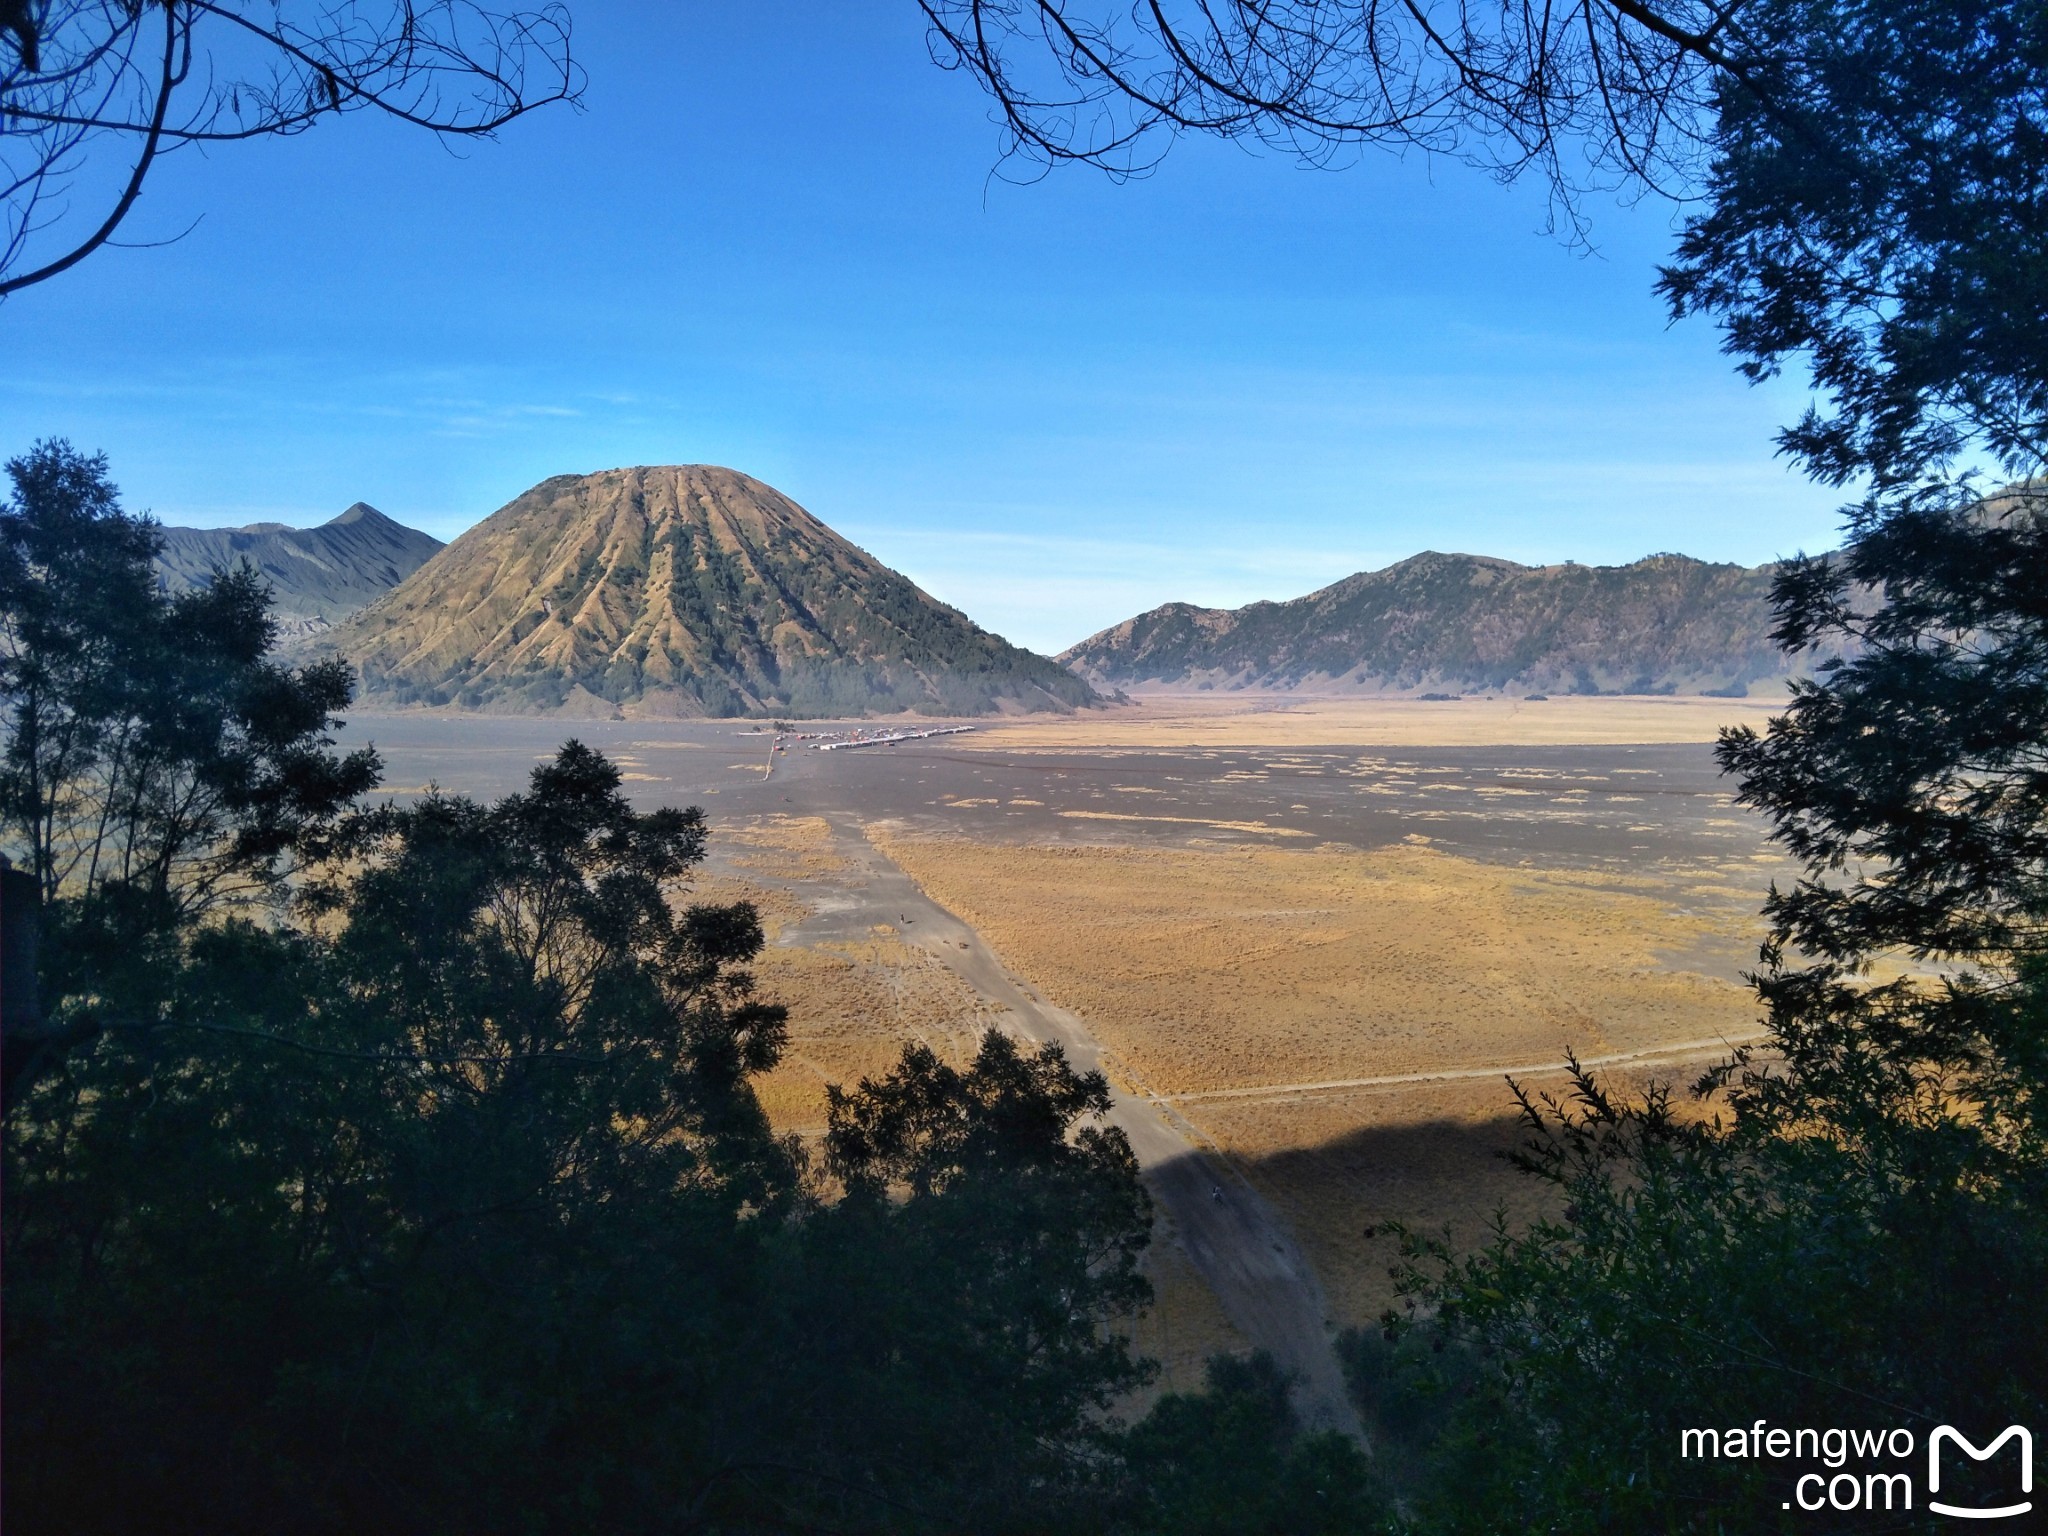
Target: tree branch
(151,141)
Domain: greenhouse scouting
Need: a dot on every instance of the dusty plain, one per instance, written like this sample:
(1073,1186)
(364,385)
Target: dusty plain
(1313,935)
(1249,719)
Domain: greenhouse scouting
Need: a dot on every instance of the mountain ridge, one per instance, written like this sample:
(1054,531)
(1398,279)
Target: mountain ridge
(1664,624)
(318,575)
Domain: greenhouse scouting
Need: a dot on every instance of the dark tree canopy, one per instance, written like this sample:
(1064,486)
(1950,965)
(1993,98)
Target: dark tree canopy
(1235,1459)
(1877,210)
(147,742)
(94,92)
(451,1208)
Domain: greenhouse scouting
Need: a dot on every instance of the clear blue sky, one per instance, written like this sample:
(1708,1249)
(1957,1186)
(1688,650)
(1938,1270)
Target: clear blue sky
(772,240)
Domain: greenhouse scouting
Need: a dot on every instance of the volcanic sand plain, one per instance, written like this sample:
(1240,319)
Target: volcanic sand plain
(1321,933)
(1282,719)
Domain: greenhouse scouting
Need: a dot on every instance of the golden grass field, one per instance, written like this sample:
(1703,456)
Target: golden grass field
(1221,950)
(1239,982)
(852,1009)
(1294,720)
(1238,967)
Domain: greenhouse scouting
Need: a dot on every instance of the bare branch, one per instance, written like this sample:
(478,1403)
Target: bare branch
(1590,93)
(87,108)
(152,142)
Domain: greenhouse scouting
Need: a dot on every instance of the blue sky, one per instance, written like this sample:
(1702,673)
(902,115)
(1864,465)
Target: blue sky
(772,239)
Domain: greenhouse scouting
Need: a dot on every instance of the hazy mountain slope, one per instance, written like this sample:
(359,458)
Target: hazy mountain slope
(320,575)
(687,590)
(1464,622)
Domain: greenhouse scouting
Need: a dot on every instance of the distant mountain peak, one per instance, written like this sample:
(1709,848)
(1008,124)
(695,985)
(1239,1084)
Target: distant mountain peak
(318,576)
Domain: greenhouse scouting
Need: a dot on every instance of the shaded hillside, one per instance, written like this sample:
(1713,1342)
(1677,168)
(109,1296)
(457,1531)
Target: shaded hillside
(683,590)
(320,575)
(1662,625)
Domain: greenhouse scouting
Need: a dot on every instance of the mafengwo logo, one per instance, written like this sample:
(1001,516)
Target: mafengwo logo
(1946,1436)
(1863,1471)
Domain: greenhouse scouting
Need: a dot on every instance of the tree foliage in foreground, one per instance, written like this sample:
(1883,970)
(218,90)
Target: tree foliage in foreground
(159,768)
(1233,1460)
(1857,1234)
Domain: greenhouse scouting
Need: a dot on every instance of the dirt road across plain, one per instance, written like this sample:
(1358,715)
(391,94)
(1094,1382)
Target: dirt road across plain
(1680,1050)
(1238,1244)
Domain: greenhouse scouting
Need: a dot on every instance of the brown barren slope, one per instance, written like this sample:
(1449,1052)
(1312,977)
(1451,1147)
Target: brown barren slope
(682,590)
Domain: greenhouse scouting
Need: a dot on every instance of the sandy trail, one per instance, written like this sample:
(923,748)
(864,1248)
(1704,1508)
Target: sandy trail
(1236,1241)
(1678,1051)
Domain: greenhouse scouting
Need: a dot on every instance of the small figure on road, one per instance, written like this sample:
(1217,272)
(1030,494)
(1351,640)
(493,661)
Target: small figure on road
(1216,1193)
